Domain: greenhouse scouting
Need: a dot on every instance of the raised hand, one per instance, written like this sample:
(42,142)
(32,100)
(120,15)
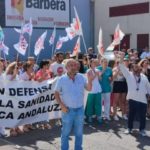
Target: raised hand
(119,56)
(90,76)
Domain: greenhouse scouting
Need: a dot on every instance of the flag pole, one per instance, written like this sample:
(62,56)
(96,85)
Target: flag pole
(29,46)
(17,57)
(37,58)
(4,56)
(84,43)
(53,50)
(83,40)
(54,36)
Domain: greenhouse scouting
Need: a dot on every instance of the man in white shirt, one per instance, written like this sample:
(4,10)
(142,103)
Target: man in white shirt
(138,88)
(57,68)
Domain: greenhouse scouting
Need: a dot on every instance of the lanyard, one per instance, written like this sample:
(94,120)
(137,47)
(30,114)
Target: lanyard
(138,80)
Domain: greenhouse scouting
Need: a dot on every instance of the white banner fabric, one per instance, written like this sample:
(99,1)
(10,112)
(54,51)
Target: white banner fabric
(26,102)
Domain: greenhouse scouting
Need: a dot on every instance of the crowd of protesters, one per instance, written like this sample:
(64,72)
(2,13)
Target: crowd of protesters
(109,84)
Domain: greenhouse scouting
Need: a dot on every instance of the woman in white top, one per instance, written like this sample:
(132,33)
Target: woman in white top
(2,129)
(93,105)
(12,74)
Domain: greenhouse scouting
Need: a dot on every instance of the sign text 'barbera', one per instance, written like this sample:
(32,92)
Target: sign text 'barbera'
(46,4)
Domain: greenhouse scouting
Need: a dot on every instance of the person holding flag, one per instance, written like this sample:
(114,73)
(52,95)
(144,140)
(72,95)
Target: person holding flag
(138,90)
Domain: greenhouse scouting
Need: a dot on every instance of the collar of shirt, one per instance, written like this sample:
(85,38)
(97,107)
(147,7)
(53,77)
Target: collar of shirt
(71,78)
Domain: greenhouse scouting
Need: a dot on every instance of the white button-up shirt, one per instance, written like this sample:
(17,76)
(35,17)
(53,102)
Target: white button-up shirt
(136,92)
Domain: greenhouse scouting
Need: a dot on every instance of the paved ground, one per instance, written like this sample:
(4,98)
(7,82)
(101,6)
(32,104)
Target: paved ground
(108,136)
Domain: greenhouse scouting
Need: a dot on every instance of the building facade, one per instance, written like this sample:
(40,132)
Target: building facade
(133,17)
(84,11)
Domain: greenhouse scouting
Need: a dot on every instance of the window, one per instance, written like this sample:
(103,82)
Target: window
(125,43)
(142,41)
(131,9)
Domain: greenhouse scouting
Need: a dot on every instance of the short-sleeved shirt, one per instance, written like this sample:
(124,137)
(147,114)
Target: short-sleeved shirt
(39,74)
(105,82)
(71,91)
(57,69)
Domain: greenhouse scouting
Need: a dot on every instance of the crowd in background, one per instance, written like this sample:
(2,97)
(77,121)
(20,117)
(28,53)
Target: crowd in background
(109,87)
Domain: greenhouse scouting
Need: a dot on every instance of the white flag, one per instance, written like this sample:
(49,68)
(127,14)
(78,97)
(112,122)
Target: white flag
(26,28)
(17,30)
(52,38)
(21,47)
(75,27)
(64,38)
(100,43)
(61,41)
(118,36)
(59,44)
(4,48)
(77,23)
(39,45)
(70,32)
(76,49)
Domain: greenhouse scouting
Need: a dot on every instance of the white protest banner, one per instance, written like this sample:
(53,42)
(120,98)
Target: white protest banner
(26,102)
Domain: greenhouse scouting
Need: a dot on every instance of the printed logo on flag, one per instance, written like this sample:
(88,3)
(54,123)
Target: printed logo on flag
(18,5)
